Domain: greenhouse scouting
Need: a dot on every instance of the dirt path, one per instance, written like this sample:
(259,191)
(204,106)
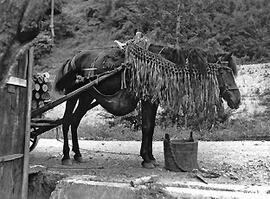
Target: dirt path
(245,163)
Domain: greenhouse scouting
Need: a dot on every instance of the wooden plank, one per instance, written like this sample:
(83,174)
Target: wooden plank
(43,129)
(30,58)
(16,81)
(51,105)
(58,122)
(44,120)
(3,118)
(7,158)
(35,125)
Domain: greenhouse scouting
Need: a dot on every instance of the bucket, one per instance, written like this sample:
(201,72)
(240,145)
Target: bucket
(180,155)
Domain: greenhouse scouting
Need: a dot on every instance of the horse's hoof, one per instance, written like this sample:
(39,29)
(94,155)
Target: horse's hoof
(79,159)
(148,165)
(67,162)
(155,163)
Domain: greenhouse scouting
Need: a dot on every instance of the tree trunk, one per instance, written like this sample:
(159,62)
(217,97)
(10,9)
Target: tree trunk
(19,24)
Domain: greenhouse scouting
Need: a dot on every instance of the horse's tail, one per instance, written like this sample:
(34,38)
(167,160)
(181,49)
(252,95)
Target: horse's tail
(66,76)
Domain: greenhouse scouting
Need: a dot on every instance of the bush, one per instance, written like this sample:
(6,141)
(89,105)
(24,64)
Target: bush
(43,45)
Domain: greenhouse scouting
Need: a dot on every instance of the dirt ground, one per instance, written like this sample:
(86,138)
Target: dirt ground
(239,162)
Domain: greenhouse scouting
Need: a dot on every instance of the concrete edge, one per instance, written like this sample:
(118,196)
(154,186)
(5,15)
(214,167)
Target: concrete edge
(220,187)
(89,187)
(205,194)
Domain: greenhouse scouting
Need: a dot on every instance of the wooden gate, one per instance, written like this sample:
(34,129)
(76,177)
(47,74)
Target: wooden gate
(15,107)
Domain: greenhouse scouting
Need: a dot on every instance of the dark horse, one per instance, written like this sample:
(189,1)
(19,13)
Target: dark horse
(117,101)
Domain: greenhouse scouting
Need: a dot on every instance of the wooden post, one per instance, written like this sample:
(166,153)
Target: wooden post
(30,59)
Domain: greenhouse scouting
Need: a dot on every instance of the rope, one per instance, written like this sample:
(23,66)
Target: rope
(52,23)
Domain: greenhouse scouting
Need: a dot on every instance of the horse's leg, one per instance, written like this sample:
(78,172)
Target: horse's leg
(149,111)
(150,141)
(70,105)
(83,106)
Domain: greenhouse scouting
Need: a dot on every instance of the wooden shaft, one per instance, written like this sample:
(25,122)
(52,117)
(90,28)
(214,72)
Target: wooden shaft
(58,122)
(43,129)
(43,125)
(46,120)
(74,93)
(30,58)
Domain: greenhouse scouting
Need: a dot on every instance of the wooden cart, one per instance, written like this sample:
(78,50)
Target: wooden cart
(41,125)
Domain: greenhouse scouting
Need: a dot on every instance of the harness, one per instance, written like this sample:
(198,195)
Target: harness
(180,88)
(225,87)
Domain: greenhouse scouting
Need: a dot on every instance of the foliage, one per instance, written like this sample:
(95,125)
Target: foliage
(43,46)
(237,26)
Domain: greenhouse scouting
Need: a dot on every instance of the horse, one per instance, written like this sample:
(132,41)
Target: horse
(117,101)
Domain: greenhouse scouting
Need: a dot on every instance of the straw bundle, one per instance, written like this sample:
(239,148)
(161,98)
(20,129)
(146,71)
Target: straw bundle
(181,89)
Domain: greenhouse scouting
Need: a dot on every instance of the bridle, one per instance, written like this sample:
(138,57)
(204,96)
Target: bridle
(225,87)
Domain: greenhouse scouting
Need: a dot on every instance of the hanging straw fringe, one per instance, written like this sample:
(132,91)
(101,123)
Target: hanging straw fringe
(181,89)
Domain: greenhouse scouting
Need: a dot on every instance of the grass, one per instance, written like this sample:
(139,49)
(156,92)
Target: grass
(234,130)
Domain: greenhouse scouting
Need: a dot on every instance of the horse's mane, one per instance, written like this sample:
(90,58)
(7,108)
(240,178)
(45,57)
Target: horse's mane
(196,57)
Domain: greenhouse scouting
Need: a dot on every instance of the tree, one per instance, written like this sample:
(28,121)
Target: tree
(19,24)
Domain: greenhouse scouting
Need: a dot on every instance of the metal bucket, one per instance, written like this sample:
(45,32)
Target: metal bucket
(180,155)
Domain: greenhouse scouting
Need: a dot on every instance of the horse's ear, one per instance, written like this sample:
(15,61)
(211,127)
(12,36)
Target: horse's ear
(233,64)
(120,44)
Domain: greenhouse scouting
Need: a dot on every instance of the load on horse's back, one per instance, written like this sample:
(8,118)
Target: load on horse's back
(148,76)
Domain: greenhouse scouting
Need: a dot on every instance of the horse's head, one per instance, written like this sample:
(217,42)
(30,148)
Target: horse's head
(225,76)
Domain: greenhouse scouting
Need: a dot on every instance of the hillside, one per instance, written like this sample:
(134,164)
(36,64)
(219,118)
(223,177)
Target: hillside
(214,25)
